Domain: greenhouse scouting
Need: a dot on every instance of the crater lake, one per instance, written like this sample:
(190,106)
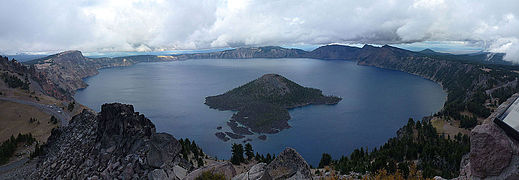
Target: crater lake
(376,102)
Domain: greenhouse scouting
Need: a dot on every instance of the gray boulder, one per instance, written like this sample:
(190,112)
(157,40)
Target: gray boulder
(224,168)
(256,172)
(180,172)
(288,165)
(491,150)
(164,148)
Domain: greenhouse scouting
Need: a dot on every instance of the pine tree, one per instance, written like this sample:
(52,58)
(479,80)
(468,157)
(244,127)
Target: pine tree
(237,154)
(258,157)
(200,162)
(248,151)
(326,159)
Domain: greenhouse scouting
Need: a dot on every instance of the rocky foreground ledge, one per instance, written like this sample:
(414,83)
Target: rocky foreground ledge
(119,143)
(116,143)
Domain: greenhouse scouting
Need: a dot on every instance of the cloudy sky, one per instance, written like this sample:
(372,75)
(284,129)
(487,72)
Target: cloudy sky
(160,25)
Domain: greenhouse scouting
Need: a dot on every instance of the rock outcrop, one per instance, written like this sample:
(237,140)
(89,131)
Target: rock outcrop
(288,165)
(116,143)
(61,74)
(493,154)
(491,150)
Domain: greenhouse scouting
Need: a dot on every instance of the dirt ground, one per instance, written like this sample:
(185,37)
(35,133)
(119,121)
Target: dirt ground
(14,119)
(448,128)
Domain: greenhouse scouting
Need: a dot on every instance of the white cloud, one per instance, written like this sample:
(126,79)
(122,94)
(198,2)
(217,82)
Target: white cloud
(138,25)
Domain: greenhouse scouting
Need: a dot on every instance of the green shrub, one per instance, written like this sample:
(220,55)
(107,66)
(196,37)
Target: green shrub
(208,175)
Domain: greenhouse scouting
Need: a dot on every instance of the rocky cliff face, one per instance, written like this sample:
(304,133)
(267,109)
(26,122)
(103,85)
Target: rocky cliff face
(60,75)
(469,86)
(116,143)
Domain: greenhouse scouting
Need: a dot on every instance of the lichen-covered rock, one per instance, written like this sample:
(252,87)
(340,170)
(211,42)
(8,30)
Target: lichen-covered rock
(289,164)
(116,143)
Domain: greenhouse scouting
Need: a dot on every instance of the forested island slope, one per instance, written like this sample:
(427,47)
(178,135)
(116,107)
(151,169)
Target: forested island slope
(262,103)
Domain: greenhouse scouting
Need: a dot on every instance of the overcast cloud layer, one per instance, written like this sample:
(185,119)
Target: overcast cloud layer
(133,25)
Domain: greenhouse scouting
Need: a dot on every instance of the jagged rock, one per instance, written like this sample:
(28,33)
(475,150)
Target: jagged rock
(116,143)
(119,122)
(289,164)
(224,168)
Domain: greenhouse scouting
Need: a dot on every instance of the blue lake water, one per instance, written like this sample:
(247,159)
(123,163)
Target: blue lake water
(376,102)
